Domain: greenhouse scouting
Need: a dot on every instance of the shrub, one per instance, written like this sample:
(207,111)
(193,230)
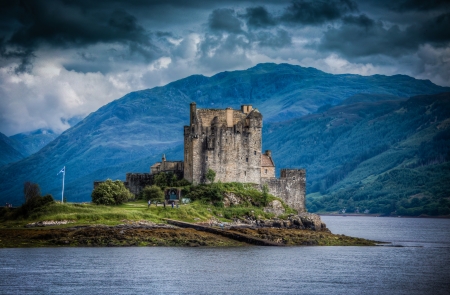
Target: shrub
(210,175)
(153,193)
(32,204)
(111,193)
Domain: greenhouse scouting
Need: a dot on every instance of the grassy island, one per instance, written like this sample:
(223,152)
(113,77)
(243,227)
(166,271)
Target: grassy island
(44,222)
(134,224)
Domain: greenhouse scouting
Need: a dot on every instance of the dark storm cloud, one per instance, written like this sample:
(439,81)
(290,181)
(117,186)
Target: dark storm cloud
(317,12)
(410,5)
(225,20)
(259,17)
(65,25)
(362,36)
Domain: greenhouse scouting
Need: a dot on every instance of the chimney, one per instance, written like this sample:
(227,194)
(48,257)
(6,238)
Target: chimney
(246,108)
(164,158)
(193,110)
(268,153)
(229,117)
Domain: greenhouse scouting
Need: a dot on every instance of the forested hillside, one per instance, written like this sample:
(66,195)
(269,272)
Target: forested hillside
(384,156)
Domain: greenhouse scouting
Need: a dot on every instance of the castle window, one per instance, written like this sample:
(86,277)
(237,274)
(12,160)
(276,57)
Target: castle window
(254,152)
(206,158)
(265,171)
(246,159)
(293,178)
(245,173)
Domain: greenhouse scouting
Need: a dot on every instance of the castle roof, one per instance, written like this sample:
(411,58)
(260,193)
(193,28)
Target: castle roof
(266,161)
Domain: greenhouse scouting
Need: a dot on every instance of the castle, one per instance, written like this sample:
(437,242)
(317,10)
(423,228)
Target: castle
(230,143)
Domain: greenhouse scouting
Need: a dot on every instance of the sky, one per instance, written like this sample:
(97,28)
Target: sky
(61,60)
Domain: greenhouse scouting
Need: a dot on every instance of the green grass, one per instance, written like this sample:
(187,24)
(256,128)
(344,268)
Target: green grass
(88,214)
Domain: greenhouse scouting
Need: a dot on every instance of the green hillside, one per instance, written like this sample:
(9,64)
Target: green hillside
(9,150)
(385,156)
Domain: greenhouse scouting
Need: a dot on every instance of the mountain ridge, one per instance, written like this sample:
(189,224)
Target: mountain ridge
(146,123)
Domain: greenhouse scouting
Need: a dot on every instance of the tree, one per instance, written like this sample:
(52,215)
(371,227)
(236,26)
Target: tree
(111,193)
(210,175)
(153,193)
(31,190)
(160,179)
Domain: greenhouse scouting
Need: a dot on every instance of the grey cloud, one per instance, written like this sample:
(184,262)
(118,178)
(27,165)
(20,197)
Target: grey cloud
(410,5)
(225,20)
(64,25)
(317,11)
(361,36)
(278,40)
(259,17)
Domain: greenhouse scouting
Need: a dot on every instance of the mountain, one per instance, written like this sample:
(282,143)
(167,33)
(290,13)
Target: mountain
(381,156)
(33,141)
(9,152)
(126,134)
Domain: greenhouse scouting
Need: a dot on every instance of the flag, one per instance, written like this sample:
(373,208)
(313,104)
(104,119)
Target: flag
(63,170)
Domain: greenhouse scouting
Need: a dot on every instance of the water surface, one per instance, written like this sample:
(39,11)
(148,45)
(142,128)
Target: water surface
(421,269)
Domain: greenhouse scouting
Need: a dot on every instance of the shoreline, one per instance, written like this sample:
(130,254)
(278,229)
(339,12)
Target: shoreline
(378,215)
(170,236)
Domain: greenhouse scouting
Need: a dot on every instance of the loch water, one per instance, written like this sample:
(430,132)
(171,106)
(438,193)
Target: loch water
(416,262)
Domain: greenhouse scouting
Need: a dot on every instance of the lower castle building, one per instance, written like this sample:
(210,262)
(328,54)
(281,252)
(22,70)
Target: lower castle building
(230,143)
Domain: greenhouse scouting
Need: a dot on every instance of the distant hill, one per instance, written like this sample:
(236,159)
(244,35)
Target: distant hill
(128,134)
(8,151)
(381,156)
(33,141)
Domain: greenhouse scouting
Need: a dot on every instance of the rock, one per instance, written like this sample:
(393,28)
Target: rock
(275,207)
(48,223)
(231,199)
(312,221)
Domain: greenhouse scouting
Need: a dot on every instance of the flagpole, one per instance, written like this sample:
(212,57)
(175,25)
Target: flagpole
(62,194)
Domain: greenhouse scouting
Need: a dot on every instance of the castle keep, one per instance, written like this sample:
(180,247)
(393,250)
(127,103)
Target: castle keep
(230,143)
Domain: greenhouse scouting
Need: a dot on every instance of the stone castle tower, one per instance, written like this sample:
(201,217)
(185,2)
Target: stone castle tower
(226,141)
(230,143)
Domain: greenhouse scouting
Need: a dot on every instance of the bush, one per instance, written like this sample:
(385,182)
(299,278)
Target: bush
(111,193)
(32,204)
(153,193)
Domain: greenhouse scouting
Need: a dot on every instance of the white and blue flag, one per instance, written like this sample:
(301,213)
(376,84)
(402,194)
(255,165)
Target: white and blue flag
(63,170)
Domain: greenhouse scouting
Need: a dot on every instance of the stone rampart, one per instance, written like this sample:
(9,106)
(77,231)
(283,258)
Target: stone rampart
(290,187)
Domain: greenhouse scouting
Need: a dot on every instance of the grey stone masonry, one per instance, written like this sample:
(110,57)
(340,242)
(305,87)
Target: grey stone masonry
(226,141)
(290,187)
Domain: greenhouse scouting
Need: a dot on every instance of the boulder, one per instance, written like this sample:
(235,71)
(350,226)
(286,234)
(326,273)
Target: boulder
(275,207)
(312,221)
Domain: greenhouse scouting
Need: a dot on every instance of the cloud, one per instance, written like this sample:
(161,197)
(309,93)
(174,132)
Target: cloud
(60,24)
(281,38)
(259,17)
(317,11)
(360,35)
(225,20)
(411,5)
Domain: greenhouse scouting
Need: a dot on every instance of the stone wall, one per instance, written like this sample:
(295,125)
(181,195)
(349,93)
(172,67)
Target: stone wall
(135,182)
(226,141)
(290,187)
